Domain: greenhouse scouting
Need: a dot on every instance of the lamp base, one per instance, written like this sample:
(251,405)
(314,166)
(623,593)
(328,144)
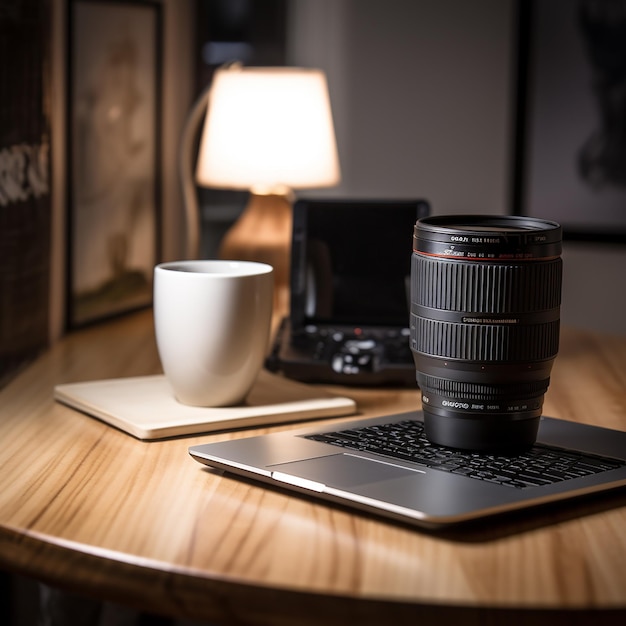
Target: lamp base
(263,233)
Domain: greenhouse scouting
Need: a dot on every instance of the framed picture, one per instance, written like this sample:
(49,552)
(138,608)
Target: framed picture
(113,146)
(572,137)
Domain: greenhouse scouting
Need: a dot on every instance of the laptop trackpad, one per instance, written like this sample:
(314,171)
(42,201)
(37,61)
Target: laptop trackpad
(344,470)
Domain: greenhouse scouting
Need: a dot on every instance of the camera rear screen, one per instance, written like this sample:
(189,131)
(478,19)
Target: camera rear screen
(355,262)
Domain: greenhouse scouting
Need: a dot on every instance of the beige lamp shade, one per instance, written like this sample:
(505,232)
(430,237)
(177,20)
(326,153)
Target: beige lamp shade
(267,129)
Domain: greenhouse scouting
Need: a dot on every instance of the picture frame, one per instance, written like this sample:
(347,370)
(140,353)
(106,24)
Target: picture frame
(113,156)
(570,163)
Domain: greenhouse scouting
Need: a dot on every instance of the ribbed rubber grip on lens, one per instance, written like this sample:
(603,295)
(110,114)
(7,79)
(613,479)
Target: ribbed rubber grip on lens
(476,287)
(472,342)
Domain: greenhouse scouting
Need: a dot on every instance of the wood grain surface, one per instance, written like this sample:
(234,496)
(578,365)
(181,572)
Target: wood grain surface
(89,508)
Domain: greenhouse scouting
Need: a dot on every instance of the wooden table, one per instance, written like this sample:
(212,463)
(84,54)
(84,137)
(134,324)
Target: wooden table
(88,508)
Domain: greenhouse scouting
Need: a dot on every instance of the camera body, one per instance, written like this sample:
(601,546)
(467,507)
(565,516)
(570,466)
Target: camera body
(484,324)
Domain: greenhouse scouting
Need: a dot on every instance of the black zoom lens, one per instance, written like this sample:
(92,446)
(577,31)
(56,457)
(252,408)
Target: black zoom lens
(485,302)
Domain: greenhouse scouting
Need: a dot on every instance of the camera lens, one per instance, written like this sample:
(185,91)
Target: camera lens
(485,302)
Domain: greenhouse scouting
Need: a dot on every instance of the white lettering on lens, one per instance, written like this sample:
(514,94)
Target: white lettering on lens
(489,320)
(455,405)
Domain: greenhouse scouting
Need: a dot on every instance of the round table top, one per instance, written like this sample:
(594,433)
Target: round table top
(89,508)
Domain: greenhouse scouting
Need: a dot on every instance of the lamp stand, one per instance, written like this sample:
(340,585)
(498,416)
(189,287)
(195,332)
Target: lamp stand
(263,233)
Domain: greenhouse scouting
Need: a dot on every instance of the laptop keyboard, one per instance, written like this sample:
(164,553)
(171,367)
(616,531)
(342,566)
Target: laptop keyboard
(540,465)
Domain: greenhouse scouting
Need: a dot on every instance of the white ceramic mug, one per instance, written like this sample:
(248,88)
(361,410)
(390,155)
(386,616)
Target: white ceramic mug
(212,322)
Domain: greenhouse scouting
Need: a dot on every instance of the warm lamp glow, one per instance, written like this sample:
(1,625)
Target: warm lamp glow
(268,128)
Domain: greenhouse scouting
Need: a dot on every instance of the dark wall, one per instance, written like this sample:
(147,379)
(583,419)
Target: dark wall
(24,182)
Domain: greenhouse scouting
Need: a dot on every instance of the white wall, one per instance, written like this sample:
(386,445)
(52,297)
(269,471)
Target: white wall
(177,93)
(594,293)
(420,93)
(422,99)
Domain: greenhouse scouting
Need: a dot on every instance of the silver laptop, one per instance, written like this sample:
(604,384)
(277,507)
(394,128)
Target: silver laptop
(387,466)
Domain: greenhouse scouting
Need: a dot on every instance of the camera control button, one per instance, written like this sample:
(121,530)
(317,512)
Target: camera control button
(360,344)
(337,363)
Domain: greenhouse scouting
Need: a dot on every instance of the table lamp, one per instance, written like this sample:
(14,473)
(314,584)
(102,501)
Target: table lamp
(268,130)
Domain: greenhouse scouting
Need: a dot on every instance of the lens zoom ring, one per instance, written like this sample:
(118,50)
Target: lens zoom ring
(479,391)
(485,287)
(474,342)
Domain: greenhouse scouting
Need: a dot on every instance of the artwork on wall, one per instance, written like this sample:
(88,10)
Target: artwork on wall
(573,162)
(113,156)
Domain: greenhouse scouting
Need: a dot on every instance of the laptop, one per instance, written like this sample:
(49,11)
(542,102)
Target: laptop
(349,304)
(386,466)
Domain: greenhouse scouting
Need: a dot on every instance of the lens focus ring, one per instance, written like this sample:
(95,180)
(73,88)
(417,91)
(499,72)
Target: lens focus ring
(485,287)
(487,342)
